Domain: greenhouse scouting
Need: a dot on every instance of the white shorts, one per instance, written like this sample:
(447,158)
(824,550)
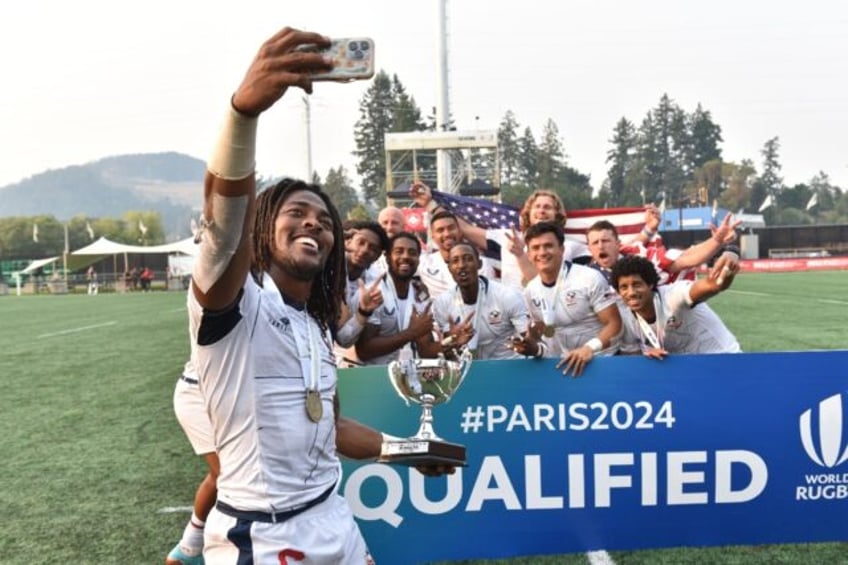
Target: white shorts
(192,416)
(326,534)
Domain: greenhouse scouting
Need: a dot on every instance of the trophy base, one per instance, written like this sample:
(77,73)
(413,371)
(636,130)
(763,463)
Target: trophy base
(413,452)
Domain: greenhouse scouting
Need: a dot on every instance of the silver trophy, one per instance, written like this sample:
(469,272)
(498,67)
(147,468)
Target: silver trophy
(427,382)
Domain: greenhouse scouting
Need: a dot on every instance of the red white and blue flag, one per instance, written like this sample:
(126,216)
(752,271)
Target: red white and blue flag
(492,215)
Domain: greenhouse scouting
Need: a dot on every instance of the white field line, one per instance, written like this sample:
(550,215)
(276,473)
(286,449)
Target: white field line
(600,557)
(748,292)
(175,509)
(822,300)
(80,329)
(826,301)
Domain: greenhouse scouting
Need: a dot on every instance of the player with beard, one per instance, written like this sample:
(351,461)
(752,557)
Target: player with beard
(488,317)
(433,267)
(264,304)
(402,327)
(574,304)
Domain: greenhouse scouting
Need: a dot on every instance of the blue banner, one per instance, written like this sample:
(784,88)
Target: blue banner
(637,453)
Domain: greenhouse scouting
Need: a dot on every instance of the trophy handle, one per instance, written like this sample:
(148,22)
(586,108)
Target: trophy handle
(465,359)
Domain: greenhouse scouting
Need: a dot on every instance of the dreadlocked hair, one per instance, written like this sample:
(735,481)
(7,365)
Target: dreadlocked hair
(328,287)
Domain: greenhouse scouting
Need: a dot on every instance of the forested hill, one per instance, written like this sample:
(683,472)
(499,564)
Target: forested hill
(169,183)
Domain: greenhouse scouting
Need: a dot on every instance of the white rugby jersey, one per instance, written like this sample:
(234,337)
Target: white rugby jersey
(251,372)
(684,327)
(582,293)
(395,313)
(511,274)
(499,314)
(434,272)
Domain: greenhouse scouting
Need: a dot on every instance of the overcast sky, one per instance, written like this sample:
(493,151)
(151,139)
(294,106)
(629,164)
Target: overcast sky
(87,79)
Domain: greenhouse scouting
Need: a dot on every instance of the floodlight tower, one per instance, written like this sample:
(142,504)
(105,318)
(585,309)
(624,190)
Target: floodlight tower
(443,164)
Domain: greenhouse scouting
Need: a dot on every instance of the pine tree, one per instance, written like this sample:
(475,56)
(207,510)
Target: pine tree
(527,163)
(620,186)
(375,120)
(509,148)
(769,182)
(340,189)
(550,156)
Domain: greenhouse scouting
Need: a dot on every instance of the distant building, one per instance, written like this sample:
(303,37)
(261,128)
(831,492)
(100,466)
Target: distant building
(699,218)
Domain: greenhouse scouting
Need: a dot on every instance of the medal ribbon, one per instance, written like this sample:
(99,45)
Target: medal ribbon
(655,339)
(478,309)
(549,303)
(310,359)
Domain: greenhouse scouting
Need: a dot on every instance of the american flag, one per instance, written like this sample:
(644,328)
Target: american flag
(492,215)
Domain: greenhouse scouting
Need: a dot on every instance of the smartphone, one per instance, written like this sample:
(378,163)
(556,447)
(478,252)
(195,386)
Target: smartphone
(353,59)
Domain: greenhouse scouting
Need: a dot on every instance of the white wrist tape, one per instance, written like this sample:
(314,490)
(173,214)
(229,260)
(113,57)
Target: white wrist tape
(234,155)
(220,239)
(543,350)
(595,344)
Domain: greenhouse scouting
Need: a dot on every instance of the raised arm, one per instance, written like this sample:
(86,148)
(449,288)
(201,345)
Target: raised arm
(230,183)
(702,252)
(423,196)
(719,279)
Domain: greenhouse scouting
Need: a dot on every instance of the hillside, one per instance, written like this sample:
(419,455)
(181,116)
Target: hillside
(169,183)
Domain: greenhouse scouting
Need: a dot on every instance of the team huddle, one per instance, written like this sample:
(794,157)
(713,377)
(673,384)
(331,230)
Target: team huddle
(283,293)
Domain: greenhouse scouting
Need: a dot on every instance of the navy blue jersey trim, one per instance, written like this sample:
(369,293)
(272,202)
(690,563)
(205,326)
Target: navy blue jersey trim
(215,326)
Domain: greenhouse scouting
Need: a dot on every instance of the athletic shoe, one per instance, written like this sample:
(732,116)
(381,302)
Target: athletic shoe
(177,557)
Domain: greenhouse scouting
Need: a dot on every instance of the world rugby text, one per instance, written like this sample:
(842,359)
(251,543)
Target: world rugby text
(576,416)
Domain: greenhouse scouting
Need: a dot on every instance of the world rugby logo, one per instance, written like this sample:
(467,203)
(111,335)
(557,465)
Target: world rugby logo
(826,447)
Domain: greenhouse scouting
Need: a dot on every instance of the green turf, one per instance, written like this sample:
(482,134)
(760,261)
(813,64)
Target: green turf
(90,450)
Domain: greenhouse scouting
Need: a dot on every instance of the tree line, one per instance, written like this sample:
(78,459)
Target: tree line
(671,155)
(44,236)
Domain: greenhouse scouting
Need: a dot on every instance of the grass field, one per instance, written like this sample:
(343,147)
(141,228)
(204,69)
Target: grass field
(91,456)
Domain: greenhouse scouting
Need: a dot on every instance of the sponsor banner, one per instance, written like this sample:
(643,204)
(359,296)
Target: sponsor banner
(783,265)
(690,451)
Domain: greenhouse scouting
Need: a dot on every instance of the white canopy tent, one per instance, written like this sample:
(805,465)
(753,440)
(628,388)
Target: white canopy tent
(104,247)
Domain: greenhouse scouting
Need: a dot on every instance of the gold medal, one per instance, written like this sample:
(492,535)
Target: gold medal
(314,407)
(548,331)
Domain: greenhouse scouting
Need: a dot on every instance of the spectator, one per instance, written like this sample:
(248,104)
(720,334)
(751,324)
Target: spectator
(146,278)
(91,277)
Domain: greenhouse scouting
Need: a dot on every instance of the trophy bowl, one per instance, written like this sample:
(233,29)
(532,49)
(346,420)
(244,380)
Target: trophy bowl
(427,382)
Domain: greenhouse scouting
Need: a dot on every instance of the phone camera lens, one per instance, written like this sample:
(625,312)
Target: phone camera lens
(364,46)
(353,46)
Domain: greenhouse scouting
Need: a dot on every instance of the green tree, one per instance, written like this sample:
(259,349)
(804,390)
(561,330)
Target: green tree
(142,228)
(375,120)
(663,145)
(550,156)
(406,116)
(340,189)
(619,189)
(737,185)
(509,148)
(385,108)
(705,136)
(527,160)
(769,183)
